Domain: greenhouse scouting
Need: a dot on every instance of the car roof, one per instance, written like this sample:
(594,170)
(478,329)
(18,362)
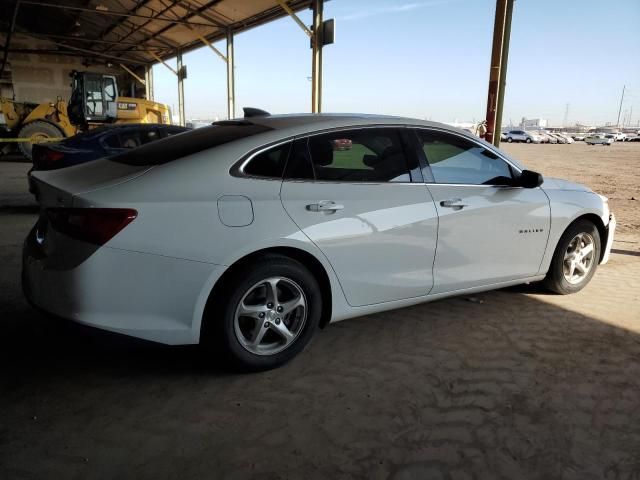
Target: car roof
(300,123)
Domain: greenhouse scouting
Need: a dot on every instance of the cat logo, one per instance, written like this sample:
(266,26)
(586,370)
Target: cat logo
(127,106)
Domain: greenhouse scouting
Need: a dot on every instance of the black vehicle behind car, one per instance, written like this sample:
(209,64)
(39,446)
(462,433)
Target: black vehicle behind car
(100,142)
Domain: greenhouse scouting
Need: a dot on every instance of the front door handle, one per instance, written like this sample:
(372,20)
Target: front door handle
(325,206)
(453,203)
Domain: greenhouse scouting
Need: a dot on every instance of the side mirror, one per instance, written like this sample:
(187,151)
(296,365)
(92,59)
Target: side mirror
(529,179)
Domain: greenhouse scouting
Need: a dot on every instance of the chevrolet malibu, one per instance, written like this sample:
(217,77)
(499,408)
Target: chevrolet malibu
(247,235)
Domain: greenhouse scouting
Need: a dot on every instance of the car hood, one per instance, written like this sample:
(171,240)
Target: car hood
(551,183)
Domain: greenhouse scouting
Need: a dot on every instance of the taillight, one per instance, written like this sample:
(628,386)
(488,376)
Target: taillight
(93,225)
(45,158)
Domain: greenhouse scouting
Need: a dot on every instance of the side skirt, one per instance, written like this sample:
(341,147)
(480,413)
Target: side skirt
(381,307)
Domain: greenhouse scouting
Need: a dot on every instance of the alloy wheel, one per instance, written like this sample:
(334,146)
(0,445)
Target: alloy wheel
(579,258)
(270,316)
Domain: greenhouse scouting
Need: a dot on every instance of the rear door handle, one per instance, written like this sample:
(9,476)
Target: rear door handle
(325,206)
(453,203)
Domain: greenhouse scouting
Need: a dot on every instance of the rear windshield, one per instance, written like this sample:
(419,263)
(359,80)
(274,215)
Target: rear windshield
(178,146)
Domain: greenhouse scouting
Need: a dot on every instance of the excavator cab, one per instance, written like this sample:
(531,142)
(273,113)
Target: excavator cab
(94,98)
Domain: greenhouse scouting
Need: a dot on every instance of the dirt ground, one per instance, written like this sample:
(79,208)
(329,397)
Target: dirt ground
(512,384)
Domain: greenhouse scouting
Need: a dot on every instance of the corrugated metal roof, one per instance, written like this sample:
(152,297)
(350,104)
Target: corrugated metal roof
(128,30)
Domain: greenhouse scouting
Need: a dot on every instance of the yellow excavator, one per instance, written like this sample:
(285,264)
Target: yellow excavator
(94,101)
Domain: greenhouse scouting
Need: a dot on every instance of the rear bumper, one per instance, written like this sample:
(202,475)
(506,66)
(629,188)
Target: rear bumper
(141,295)
(611,228)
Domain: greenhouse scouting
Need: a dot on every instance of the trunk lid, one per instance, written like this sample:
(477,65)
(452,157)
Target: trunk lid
(57,188)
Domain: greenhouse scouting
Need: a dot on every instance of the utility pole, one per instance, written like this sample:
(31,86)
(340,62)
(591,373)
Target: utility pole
(498,69)
(620,109)
(566,115)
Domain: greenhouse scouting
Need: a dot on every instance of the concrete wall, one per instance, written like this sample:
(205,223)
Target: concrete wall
(44,77)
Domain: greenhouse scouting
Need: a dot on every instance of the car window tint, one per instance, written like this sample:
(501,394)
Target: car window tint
(454,159)
(150,135)
(111,140)
(299,165)
(269,163)
(359,155)
(130,139)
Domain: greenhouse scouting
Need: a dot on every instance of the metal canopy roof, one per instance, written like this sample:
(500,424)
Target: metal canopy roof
(132,31)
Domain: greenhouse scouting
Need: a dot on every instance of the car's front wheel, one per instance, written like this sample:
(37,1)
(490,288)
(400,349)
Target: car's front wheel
(266,315)
(509,139)
(575,259)
(528,140)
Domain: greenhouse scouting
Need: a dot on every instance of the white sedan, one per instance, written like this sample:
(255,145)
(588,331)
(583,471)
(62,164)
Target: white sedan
(248,235)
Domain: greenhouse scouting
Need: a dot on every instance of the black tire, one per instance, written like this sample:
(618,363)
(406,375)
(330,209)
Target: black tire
(528,140)
(37,128)
(509,139)
(555,280)
(218,332)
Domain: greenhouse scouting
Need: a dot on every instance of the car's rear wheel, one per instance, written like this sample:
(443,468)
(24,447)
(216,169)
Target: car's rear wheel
(528,140)
(267,314)
(575,259)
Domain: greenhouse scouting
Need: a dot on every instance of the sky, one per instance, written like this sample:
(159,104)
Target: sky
(430,59)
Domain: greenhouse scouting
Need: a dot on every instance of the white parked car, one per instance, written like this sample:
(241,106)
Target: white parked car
(249,234)
(619,136)
(599,139)
(522,136)
(567,137)
(561,138)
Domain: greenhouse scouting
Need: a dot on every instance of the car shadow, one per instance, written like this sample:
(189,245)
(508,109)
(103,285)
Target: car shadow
(500,383)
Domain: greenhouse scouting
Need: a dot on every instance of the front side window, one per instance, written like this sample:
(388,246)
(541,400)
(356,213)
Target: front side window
(110,90)
(454,159)
(359,155)
(269,163)
(93,92)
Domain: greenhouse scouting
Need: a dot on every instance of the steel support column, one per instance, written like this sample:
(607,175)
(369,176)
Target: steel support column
(181,115)
(316,66)
(503,71)
(231,89)
(148,81)
(497,73)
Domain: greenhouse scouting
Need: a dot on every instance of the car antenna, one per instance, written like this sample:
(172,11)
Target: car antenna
(254,112)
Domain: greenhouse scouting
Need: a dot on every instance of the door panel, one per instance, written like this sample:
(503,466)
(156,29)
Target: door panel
(499,234)
(381,244)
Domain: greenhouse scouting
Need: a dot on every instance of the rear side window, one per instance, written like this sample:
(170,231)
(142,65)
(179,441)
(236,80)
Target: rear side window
(269,163)
(172,148)
(358,155)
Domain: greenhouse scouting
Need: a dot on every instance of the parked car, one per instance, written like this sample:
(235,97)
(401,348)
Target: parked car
(599,139)
(342,144)
(521,136)
(100,142)
(559,138)
(635,138)
(579,137)
(567,137)
(247,235)
(619,136)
